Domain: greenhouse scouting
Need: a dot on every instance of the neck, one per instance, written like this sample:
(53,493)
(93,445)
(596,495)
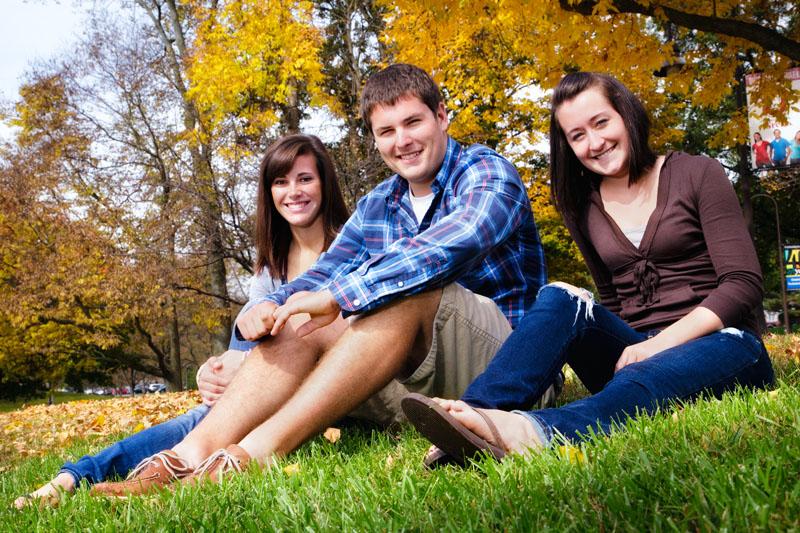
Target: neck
(420,189)
(309,239)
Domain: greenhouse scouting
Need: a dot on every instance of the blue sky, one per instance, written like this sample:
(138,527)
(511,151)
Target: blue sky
(33,30)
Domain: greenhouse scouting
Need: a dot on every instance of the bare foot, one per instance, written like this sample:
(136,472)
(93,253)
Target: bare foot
(49,494)
(517,432)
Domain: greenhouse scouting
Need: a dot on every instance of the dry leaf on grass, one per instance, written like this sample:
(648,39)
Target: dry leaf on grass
(39,429)
(332,435)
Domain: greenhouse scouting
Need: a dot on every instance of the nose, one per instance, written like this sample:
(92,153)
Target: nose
(402,137)
(596,141)
(294,188)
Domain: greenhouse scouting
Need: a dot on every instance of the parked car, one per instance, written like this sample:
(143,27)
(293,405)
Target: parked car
(157,387)
(139,389)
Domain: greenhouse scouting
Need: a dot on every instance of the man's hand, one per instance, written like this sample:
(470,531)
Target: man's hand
(215,375)
(257,321)
(321,305)
(635,353)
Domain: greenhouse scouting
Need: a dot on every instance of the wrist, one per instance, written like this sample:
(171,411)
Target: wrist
(199,371)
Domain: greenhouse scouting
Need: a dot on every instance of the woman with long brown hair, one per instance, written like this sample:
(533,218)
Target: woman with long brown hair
(299,211)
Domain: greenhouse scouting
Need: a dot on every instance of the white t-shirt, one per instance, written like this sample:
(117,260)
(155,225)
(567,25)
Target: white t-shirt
(420,204)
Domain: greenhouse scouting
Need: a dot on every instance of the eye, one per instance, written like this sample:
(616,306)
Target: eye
(576,136)
(306,179)
(601,122)
(279,182)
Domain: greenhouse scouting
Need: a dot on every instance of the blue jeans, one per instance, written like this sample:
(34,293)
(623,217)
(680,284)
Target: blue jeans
(121,457)
(562,327)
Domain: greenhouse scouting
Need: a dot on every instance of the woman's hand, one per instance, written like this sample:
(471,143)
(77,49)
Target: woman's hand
(635,353)
(700,321)
(257,321)
(215,375)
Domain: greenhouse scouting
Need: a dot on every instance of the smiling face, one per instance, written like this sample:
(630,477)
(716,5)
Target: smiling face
(297,196)
(596,133)
(411,139)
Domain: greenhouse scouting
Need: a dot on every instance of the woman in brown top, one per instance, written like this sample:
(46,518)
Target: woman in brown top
(679,284)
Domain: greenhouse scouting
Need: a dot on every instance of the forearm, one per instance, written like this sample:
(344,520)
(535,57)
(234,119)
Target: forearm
(698,323)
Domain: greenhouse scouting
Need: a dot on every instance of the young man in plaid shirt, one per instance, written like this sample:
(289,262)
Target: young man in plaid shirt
(421,287)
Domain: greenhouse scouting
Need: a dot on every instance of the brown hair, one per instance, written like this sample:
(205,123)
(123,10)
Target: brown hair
(273,235)
(394,82)
(571,182)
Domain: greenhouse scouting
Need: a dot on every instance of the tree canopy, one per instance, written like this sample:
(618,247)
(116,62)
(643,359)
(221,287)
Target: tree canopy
(128,188)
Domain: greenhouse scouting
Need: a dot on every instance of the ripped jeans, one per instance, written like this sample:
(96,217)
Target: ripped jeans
(564,327)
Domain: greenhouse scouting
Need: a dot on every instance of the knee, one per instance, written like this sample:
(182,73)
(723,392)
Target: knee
(571,290)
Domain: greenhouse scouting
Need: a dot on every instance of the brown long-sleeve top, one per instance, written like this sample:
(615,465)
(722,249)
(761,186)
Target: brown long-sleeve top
(695,251)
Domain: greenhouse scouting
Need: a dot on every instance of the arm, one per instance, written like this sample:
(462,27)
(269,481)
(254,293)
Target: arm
(489,203)
(739,287)
(346,251)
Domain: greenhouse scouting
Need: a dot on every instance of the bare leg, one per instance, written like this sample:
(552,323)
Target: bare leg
(269,376)
(375,348)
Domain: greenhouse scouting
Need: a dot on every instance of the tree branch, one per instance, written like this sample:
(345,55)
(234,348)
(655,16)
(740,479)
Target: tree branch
(206,293)
(766,38)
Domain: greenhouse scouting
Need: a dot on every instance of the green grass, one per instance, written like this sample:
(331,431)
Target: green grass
(58,397)
(730,464)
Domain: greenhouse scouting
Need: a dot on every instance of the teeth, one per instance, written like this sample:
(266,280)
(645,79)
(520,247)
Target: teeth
(598,156)
(410,156)
(296,206)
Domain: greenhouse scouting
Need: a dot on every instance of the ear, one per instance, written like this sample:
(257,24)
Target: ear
(441,116)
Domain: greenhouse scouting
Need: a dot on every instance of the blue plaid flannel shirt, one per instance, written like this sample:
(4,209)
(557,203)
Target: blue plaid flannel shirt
(481,235)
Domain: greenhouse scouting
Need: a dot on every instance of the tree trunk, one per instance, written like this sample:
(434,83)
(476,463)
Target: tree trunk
(171,32)
(176,383)
(743,150)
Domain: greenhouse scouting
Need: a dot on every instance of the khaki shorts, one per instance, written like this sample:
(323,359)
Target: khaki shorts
(468,330)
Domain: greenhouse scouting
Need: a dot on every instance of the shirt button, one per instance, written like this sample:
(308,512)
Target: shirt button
(400,283)
(356,302)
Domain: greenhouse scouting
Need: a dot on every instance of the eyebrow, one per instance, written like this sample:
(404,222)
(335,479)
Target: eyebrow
(405,120)
(592,119)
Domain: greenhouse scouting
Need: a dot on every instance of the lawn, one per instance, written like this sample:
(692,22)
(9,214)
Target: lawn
(729,464)
(58,397)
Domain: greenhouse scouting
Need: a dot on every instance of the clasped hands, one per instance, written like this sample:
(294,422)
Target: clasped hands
(268,318)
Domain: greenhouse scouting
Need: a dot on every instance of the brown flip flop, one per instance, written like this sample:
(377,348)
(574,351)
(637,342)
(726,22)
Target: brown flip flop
(449,434)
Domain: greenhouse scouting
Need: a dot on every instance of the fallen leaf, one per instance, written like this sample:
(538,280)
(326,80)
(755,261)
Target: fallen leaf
(291,469)
(332,435)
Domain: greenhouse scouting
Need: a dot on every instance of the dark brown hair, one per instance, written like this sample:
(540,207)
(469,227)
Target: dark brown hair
(571,182)
(394,82)
(273,235)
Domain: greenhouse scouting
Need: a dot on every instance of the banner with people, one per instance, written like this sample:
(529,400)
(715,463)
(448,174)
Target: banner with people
(776,146)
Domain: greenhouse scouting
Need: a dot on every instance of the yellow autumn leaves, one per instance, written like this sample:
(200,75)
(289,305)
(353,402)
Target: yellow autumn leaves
(40,429)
